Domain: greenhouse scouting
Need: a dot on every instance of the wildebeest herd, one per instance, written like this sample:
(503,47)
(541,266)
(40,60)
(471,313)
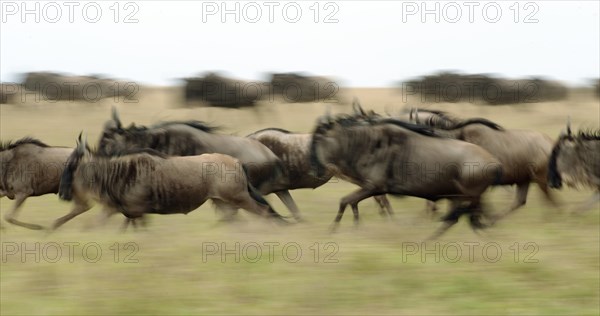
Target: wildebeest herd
(176,166)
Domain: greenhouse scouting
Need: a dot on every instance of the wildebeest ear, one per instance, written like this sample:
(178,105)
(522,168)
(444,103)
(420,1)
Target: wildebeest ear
(115,117)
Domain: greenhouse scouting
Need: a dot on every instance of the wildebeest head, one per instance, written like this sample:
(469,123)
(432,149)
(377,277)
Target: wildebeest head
(112,131)
(563,146)
(65,189)
(322,146)
(360,113)
(115,139)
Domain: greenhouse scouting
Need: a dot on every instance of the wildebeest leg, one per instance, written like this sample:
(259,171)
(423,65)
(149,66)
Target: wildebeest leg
(252,206)
(449,220)
(11,216)
(103,217)
(125,224)
(430,208)
(384,206)
(289,202)
(520,200)
(132,221)
(143,221)
(79,208)
(587,205)
(549,196)
(352,199)
(476,215)
(355,212)
(229,213)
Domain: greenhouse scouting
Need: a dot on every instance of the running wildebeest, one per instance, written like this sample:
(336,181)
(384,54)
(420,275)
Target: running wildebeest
(28,167)
(151,182)
(575,161)
(524,154)
(294,151)
(265,170)
(388,156)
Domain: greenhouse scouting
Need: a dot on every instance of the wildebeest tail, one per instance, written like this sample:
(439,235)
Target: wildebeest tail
(260,199)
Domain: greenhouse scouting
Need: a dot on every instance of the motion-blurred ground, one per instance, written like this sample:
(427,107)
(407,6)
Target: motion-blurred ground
(374,273)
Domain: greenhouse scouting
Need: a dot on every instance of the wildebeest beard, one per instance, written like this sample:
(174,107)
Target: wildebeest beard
(554,178)
(315,163)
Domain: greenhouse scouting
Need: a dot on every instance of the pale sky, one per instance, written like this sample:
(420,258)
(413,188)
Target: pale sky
(371,44)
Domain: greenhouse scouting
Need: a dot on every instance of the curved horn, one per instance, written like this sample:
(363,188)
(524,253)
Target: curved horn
(569,126)
(387,111)
(562,133)
(79,143)
(115,117)
(417,116)
(328,112)
(410,115)
(357,107)
(85,143)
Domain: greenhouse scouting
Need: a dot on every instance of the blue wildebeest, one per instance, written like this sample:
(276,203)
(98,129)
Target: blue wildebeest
(151,182)
(28,167)
(188,138)
(388,156)
(575,160)
(524,154)
(294,151)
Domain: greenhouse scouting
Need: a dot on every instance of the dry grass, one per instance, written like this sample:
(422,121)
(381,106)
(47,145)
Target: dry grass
(374,274)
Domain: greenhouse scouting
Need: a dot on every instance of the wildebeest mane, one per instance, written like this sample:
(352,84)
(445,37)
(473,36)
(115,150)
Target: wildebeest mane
(26,140)
(436,112)
(589,135)
(192,123)
(420,129)
(446,121)
(478,120)
(276,129)
(135,151)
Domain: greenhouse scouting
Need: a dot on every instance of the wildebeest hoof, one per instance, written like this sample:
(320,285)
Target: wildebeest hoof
(333,227)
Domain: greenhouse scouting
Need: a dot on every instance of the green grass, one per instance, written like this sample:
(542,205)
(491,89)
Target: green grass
(373,274)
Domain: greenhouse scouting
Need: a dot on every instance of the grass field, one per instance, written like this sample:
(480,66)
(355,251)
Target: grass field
(549,262)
